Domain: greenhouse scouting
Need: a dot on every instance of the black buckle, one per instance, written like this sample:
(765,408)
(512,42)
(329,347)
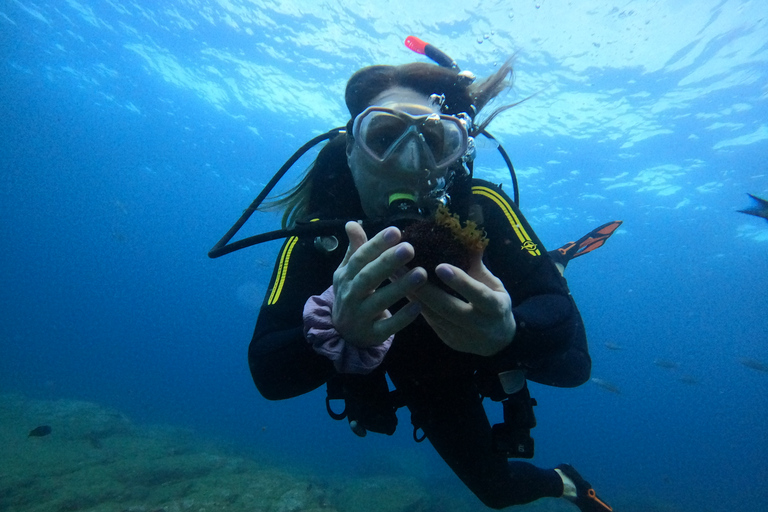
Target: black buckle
(513,437)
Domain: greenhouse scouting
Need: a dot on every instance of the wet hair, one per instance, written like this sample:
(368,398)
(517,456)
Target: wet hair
(326,191)
(328,183)
(460,94)
(421,77)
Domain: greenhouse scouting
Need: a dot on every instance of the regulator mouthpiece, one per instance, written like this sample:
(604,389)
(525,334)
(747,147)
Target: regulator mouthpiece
(403,204)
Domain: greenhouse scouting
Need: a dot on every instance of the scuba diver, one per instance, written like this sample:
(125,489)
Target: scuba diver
(399,263)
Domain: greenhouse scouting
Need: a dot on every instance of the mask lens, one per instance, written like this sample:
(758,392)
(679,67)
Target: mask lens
(444,139)
(380,130)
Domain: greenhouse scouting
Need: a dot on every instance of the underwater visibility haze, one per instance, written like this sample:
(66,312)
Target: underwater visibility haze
(133,134)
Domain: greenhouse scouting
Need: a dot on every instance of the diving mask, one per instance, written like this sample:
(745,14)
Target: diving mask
(381,132)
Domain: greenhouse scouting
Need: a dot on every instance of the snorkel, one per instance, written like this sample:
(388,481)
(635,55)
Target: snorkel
(439,186)
(438,56)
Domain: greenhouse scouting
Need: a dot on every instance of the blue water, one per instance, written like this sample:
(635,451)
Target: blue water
(132,136)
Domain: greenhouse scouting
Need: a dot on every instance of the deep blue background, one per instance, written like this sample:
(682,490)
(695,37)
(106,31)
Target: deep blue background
(107,293)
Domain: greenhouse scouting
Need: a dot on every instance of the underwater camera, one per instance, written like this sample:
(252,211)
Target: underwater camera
(513,437)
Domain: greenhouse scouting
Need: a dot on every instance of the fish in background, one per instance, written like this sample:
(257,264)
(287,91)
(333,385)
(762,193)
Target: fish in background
(41,431)
(613,346)
(665,363)
(608,386)
(754,364)
(760,209)
(689,379)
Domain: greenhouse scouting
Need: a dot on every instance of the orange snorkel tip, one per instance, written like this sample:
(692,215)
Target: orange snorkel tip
(415,44)
(424,48)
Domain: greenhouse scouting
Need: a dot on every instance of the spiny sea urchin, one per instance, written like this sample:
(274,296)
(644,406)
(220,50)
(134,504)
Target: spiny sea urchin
(442,239)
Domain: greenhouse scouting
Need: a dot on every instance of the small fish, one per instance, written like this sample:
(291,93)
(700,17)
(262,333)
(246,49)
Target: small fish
(665,363)
(689,379)
(42,430)
(754,364)
(758,210)
(608,386)
(613,346)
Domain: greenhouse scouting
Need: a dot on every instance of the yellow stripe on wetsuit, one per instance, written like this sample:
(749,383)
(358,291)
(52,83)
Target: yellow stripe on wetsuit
(527,244)
(282,270)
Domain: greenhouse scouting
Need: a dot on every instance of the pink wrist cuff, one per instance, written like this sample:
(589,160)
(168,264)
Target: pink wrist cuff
(326,340)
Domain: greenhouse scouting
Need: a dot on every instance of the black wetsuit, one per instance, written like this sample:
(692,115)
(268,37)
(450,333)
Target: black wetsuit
(439,386)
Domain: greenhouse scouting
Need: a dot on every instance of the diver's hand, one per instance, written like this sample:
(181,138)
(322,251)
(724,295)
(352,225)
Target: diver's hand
(484,325)
(360,313)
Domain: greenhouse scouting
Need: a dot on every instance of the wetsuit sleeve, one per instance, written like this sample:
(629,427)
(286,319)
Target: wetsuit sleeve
(550,342)
(282,363)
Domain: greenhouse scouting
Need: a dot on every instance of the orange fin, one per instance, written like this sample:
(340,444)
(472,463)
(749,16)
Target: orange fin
(588,243)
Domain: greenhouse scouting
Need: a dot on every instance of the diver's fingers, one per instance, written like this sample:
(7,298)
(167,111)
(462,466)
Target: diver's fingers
(395,323)
(357,238)
(441,307)
(384,297)
(483,293)
(372,249)
(389,262)
(438,302)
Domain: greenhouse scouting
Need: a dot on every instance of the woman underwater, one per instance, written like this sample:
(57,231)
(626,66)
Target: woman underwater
(381,300)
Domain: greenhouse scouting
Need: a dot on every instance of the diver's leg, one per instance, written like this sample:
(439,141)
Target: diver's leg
(455,423)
